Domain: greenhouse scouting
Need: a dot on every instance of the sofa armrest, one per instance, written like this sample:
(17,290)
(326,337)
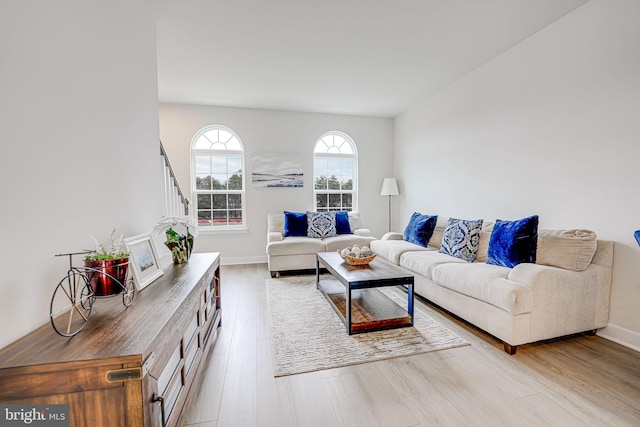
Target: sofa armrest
(556,279)
(566,300)
(274,236)
(365,232)
(392,235)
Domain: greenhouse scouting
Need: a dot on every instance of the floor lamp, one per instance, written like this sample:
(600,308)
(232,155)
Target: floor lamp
(389,188)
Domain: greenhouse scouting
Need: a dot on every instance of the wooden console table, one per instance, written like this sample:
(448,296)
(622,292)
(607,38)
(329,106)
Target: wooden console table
(135,366)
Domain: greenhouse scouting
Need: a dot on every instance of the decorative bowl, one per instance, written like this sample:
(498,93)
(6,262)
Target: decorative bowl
(358,261)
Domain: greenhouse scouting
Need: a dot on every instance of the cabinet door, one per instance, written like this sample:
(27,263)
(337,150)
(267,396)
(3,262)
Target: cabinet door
(95,391)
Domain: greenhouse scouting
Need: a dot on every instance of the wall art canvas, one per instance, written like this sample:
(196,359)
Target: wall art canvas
(277,170)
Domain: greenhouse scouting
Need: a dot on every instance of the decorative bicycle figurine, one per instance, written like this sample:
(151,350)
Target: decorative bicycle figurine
(75,294)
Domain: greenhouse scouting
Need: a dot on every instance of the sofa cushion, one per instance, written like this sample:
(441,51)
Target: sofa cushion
(391,250)
(569,249)
(295,224)
(483,245)
(461,238)
(436,238)
(487,283)
(275,223)
(296,245)
(420,229)
(321,224)
(354,220)
(512,297)
(342,223)
(423,262)
(513,242)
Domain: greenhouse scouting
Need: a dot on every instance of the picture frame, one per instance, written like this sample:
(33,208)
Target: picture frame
(143,260)
(277,170)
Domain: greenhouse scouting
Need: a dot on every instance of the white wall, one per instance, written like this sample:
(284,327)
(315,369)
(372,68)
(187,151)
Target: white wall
(278,131)
(550,127)
(79,129)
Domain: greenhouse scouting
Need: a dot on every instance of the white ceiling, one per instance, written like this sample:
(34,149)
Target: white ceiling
(360,57)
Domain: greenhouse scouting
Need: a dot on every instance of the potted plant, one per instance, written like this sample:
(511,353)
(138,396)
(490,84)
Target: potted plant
(180,244)
(107,268)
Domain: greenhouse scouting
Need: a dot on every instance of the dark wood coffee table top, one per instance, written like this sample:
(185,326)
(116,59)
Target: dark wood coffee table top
(365,276)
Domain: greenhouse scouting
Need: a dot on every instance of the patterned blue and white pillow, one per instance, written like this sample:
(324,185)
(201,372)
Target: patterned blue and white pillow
(321,224)
(461,238)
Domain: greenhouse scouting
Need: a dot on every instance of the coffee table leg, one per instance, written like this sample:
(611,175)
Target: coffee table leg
(348,310)
(317,273)
(410,300)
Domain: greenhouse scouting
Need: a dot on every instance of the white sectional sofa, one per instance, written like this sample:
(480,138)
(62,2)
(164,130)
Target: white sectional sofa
(565,292)
(299,252)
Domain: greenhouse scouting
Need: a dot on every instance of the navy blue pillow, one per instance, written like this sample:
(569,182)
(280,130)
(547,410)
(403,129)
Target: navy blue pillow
(420,229)
(513,242)
(342,223)
(295,224)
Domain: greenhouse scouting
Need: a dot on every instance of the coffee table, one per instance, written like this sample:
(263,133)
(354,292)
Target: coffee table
(352,294)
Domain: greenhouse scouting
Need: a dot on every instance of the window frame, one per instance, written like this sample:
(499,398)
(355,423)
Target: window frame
(328,155)
(194,152)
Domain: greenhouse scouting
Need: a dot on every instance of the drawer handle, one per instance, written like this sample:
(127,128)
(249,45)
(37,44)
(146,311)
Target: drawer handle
(161,400)
(120,375)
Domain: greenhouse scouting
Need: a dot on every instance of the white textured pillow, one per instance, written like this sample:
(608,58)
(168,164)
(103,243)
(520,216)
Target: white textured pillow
(485,236)
(436,238)
(569,249)
(275,222)
(354,220)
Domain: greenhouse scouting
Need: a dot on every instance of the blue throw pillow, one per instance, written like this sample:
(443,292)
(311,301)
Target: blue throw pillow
(461,238)
(295,224)
(513,242)
(321,224)
(420,229)
(342,223)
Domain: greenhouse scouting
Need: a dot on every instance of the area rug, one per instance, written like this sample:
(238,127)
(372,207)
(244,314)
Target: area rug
(307,334)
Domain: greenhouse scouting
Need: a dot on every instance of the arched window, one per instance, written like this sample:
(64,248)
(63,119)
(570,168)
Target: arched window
(335,177)
(217,173)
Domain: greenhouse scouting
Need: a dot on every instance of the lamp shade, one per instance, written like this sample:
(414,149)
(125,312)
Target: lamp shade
(389,187)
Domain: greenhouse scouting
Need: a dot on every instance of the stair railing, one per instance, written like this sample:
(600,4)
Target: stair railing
(174,202)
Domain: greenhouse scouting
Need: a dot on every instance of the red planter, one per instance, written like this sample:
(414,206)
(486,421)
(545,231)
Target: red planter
(102,277)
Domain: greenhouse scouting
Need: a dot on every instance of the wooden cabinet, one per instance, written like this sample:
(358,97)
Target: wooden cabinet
(136,366)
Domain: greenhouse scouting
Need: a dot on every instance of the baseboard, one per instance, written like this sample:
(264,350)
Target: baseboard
(262,259)
(622,336)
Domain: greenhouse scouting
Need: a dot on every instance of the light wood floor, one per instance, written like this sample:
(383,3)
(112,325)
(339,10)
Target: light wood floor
(575,381)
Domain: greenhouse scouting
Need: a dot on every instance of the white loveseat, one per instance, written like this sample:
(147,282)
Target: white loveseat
(565,292)
(299,252)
